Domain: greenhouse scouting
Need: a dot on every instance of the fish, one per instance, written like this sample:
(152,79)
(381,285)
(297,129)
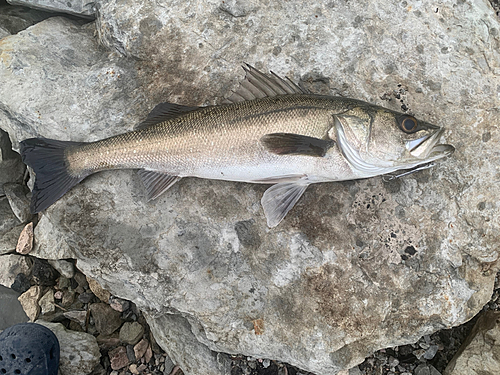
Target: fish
(270,131)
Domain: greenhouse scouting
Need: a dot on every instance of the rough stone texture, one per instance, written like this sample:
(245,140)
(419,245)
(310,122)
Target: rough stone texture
(98,290)
(7,218)
(65,268)
(25,242)
(10,266)
(43,273)
(8,240)
(118,358)
(77,316)
(46,303)
(29,301)
(79,350)
(11,311)
(355,266)
(131,333)
(106,319)
(20,205)
(82,8)
(119,304)
(11,166)
(480,353)
(140,348)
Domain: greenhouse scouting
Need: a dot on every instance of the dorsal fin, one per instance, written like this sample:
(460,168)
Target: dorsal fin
(165,111)
(258,85)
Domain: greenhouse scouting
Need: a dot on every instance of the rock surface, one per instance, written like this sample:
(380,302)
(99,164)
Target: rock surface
(480,353)
(10,266)
(106,319)
(79,350)
(11,311)
(9,239)
(25,242)
(355,266)
(29,301)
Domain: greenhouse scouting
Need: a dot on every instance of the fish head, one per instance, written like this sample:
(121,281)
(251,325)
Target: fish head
(376,140)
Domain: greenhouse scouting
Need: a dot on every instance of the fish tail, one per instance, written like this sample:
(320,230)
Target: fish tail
(53,177)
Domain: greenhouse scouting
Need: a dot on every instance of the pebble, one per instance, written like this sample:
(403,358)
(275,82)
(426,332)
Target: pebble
(43,273)
(131,333)
(29,301)
(119,304)
(431,352)
(169,366)
(63,282)
(65,268)
(266,363)
(118,358)
(131,353)
(68,298)
(133,369)
(79,316)
(149,354)
(106,319)
(81,280)
(98,290)
(86,297)
(142,367)
(46,303)
(25,241)
(59,294)
(108,342)
(140,348)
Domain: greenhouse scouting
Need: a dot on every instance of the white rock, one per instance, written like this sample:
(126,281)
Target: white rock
(79,350)
(10,266)
(80,8)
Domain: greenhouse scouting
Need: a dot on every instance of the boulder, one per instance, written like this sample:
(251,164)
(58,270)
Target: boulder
(355,266)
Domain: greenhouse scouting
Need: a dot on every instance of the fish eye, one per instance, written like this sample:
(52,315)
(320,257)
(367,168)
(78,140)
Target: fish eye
(408,124)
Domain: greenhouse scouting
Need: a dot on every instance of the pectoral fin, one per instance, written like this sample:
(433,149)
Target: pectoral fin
(156,183)
(296,144)
(280,198)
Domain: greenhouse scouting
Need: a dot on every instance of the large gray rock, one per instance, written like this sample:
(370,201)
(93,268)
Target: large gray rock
(355,266)
(79,350)
(11,311)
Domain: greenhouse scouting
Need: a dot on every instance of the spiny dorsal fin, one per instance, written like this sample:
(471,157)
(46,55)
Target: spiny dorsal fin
(258,85)
(156,183)
(295,144)
(163,112)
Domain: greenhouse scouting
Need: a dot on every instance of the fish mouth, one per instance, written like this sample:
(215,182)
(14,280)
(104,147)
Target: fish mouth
(427,147)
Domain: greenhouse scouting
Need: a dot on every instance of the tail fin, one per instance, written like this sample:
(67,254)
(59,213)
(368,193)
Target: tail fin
(47,159)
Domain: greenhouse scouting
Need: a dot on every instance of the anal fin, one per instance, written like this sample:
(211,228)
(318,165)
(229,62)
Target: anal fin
(280,198)
(156,183)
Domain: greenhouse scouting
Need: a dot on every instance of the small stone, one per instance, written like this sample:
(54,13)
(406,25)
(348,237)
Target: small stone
(426,369)
(79,316)
(140,348)
(142,367)
(20,205)
(133,369)
(114,373)
(58,294)
(431,352)
(98,290)
(131,333)
(21,283)
(119,304)
(68,298)
(46,303)
(10,266)
(131,353)
(8,240)
(129,316)
(25,242)
(29,301)
(106,319)
(149,354)
(266,363)
(118,358)
(65,268)
(63,283)
(81,280)
(108,342)
(86,297)
(43,273)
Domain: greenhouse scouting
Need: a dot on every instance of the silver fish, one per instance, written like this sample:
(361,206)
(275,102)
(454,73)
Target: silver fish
(271,132)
